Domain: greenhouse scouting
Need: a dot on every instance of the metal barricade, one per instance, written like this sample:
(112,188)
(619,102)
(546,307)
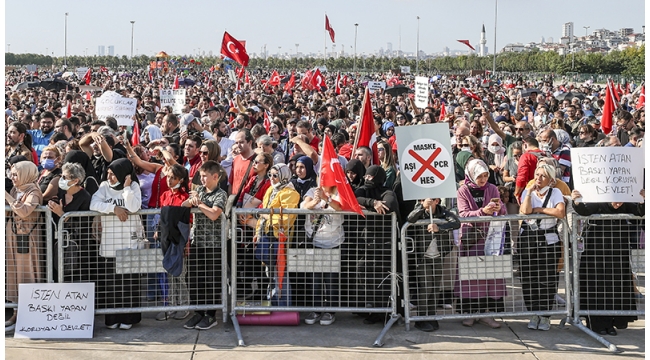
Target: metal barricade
(608,273)
(347,266)
(126,262)
(457,280)
(28,249)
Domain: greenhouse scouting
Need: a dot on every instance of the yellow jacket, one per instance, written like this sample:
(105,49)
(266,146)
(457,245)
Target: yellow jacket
(287,198)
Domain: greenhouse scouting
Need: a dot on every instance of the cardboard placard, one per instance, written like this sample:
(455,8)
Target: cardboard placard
(174,98)
(55,311)
(421,91)
(376,85)
(117,106)
(608,174)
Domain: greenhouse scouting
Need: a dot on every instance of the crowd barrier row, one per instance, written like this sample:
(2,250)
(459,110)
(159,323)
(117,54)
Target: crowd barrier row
(351,264)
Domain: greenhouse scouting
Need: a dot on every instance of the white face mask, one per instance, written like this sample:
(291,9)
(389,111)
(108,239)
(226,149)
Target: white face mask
(114,185)
(543,190)
(466,149)
(65,184)
(493,149)
(176,186)
(546,147)
(508,132)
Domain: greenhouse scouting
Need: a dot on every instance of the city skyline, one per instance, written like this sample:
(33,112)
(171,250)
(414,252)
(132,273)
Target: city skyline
(193,32)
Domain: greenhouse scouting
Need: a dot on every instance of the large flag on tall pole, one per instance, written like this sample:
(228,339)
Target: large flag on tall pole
(466,42)
(331,174)
(232,48)
(329,28)
(366,135)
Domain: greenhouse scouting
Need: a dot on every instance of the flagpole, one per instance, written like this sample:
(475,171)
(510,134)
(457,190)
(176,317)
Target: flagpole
(325,44)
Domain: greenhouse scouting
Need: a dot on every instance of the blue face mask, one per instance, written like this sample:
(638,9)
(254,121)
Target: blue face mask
(48,164)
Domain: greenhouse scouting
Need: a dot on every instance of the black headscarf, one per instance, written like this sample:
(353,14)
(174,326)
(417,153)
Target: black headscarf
(375,187)
(121,168)
(81,158)
(356,166)
(303,185)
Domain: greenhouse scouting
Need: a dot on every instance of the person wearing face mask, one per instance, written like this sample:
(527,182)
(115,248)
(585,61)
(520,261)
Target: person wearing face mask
(72,196)
(355,171)
(496,158)
(606,281)
(119,196)
(24,249)
(550,144)
(475,199)
(48,180)
(539,245)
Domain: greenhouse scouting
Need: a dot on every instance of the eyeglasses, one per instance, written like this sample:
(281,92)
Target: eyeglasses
(273,176)
(582,132)
(465,144)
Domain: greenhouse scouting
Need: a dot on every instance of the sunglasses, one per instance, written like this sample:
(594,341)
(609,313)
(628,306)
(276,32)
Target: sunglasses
(519,129)
(273,176)
(581,132)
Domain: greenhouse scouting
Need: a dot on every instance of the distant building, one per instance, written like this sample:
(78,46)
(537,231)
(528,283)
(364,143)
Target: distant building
(625,32)
(101,50)
(518,47)
(482,50)
(111,50)
(567,31)
(549,40)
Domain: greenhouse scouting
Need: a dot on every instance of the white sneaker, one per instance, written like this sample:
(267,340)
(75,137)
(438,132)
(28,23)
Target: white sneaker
(126,326)
(113,327)
(312,318)
(544,323)
(534,322)
(327,319)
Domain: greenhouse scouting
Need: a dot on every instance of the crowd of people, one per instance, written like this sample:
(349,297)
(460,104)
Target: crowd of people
(249,144)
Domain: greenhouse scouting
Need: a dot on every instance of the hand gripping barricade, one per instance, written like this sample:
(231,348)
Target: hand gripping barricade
(515,279)
(608,273)
(312,261)
(28,250)
(130,271)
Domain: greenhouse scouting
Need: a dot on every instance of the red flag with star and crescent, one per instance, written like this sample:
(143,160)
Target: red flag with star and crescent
(329,28)
(338,84)
(305,82)
(332,174)
(274,80)
(88,76)
(291,83)
(466,42)
(232,48)
(317,81)
(366,135)
(468,93)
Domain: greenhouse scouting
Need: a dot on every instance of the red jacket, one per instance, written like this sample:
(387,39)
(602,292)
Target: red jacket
(527,166)
(195,164)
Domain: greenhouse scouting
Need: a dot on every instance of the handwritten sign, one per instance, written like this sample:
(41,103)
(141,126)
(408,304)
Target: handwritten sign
(376,85)
(55,311)
(421,91)
(174,98)
(405,69)
(426,163)
(81,72)
(608,174)
(117,106)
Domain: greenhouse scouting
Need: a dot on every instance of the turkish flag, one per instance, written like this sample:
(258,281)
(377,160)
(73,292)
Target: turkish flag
(332,174)
(135,137)
(338,84)
(267,122)
(291,83)
(366,132)
(610,84)
(103,69)
(247,80)
(345,80)
(328,27)
(150,76)
(88,96)
(240,72)
(641,102)
(468,93)
(443,112)
(69,109)
(175,82)
(466,42)
(212,68)
(274,80)
(317,81)
(88,76)
(608,110)
(305,83)
(232,48)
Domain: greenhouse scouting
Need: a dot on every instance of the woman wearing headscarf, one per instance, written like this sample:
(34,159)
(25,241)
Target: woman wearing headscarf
(606,281)
(24,243)
(79,157)
(355,171)
(496,158)
(269,229)
(539,245)
(477,197)
(563,137)
(374,239)
(151,133)
(119,196)
(305,176)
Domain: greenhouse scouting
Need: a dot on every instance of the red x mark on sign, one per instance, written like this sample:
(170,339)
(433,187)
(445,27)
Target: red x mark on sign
(426,164)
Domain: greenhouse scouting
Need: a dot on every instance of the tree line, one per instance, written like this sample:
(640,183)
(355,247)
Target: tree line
(628,62)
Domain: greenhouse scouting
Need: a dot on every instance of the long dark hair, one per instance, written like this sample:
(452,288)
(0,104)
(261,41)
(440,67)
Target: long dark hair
(179,172)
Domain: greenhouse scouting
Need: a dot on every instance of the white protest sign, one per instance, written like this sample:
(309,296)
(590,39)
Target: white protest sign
(81,72)
(405,69)
(174,98)
(117,106)
(421,91)
(376,85)
(426,163)
(31,68)
(231,75)
(55,311)
(608,174)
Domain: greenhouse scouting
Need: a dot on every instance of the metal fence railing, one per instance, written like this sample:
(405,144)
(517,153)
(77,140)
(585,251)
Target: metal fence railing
(608,273)
(347,265)
(484,272)
(132,273)
(28,249)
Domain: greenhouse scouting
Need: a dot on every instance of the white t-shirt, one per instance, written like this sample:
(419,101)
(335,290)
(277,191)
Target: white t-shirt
(536,202)
(330,230)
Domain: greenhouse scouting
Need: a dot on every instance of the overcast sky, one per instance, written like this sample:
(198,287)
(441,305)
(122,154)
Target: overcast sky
(184,27)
